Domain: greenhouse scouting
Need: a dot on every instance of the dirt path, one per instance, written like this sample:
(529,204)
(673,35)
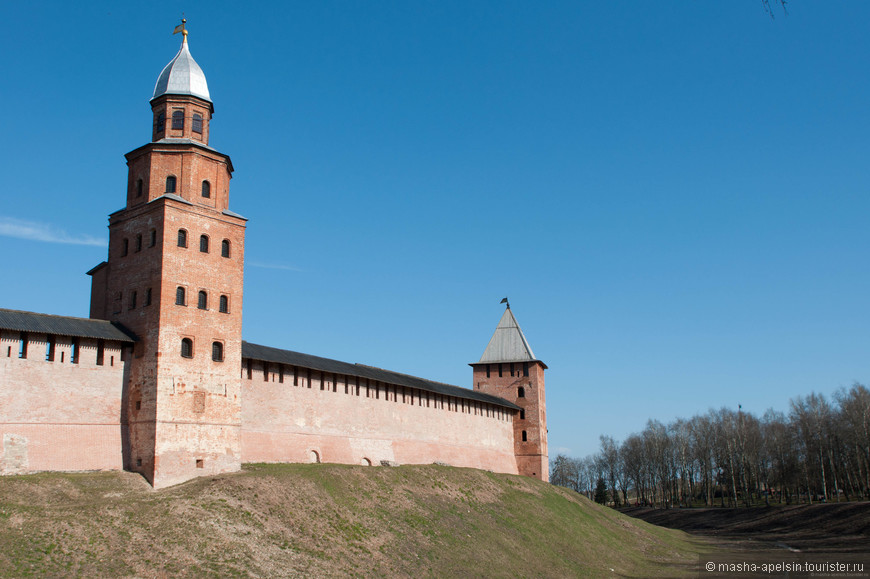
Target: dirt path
(828,528)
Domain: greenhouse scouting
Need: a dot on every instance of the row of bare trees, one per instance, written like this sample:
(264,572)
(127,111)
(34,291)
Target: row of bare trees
(818,451)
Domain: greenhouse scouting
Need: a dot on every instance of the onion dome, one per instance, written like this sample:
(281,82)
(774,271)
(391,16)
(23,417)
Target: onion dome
(182,76)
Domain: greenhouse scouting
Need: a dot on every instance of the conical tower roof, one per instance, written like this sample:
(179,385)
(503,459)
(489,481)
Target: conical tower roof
(508,343)
(182,76)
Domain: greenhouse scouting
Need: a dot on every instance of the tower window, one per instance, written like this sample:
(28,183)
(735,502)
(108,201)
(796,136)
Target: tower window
(522,414)
(132,300)
(148,296)
(22,346)
(74,353)
(225,248)
(521,392)
(203,300)
(139,188)
(178,119)
(182,238)
(499,370)
(525,436)
(186,348)
(197,123)
(206,189)
(152,238)
(203,243)
(139,242)
(170,184)
(160,123)
(487,370)
(525,369)
(125,247)
(179,296)
(217,351)
(224,306)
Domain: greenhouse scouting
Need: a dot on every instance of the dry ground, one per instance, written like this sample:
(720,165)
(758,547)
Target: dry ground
(325,521)
(818,528)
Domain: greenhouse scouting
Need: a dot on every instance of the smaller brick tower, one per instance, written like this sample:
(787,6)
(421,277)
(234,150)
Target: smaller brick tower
(508,369)
(174,277)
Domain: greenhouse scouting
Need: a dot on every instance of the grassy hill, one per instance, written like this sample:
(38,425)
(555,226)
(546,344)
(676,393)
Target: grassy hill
(324,521)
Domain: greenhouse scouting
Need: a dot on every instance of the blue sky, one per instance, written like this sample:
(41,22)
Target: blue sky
(673,195)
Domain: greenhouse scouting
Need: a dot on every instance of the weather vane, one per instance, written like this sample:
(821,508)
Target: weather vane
(505,301)
(181,28)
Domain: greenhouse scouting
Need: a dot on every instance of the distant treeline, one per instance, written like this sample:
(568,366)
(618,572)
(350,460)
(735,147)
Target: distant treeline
(819,451)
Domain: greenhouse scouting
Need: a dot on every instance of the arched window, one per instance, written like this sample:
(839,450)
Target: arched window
(186,348)
(125,247)
(525,436)
(203,243)
(160,123)
(217,351)
(197,123)
(206,189)
(202,303)
(225,248)
(178,119)
(139,242)
(139,188)
(182,238)
(179,296)
(170,184)
(521,392)
(224,307)
(152,238)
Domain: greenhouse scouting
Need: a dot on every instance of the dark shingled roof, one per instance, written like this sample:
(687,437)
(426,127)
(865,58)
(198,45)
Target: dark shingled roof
(267,354)
(63,326)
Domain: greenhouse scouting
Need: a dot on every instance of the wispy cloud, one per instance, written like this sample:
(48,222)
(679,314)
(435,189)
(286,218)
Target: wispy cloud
(273,266)
(35,231)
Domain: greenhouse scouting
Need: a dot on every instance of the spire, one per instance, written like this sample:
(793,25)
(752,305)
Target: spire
(508,343)
(182,75)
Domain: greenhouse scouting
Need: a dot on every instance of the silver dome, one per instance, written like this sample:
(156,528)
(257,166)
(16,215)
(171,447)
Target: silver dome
(182,76)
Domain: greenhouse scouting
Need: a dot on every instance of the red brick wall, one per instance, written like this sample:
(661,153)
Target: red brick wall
(163,384)
(531,454)
(58,415)
(184,412)
(283,422)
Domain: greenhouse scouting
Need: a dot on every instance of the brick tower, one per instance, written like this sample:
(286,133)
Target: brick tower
(509,369)
(174,277)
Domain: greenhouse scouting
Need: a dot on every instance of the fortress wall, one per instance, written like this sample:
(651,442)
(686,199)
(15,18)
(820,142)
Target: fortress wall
(312,417)
(59,415)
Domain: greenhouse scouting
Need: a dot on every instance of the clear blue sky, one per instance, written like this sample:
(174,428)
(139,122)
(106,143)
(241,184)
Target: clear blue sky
(674,195)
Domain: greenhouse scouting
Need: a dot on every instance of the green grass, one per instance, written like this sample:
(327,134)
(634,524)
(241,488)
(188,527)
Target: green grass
(324,520)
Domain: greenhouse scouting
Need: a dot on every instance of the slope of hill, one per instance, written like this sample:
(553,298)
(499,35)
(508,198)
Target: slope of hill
(324,520)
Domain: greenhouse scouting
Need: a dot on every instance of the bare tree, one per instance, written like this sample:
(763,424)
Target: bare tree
(818,449)
(811,415)
(613,469)
(769,9)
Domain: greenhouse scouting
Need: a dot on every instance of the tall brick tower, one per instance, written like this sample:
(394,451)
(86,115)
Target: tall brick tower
(174,276)
(509,369)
